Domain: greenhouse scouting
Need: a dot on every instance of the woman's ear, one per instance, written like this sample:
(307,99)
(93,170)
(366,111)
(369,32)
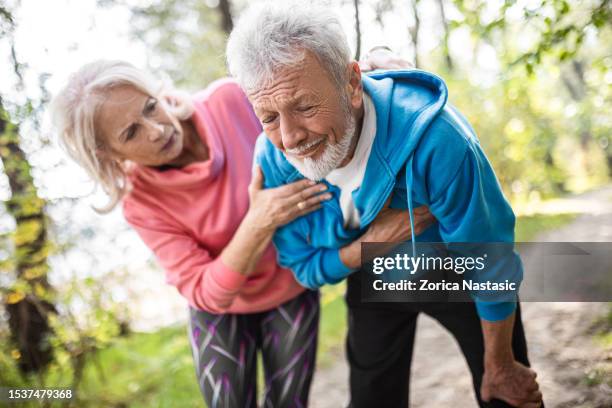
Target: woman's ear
(104,153)
(101,153)
(355,87)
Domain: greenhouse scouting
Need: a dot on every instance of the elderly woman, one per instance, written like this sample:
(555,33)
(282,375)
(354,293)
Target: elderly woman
(182,169)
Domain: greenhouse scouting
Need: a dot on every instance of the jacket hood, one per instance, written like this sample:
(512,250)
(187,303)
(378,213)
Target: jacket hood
(406,102)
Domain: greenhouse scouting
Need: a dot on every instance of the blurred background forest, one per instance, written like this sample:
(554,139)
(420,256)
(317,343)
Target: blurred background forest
(82,303)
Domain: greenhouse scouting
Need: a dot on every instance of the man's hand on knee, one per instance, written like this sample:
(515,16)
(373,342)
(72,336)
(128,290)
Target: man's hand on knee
(513,383)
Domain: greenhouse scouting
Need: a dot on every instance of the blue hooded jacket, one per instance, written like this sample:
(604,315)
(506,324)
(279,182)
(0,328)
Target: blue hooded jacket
(424,153)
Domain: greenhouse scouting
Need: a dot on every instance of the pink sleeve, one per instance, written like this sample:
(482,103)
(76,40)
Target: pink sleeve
(206,282)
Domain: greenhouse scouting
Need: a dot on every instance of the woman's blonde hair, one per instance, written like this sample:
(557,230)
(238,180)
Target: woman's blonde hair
(73,112)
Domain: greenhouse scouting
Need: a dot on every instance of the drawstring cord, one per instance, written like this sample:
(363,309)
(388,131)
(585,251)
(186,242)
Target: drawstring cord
(409,195)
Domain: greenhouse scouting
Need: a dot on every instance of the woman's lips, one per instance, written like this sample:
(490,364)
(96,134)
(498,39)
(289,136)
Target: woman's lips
(170,142)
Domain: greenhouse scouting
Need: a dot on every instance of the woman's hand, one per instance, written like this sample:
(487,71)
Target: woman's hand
(383,58)
(269,209)
(274,207)
(390,225)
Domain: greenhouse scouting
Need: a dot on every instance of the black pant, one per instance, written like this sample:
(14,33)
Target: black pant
(381,338)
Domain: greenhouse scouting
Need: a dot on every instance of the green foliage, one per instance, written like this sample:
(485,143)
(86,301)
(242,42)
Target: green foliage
(561,26)
(546,129)
(186,39)
(564,27)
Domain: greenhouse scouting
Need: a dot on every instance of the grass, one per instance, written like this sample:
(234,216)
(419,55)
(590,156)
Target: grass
(141,370)
(595,376)
(528,227)
(332,328)
(145,370)
(156,369)
(604,329)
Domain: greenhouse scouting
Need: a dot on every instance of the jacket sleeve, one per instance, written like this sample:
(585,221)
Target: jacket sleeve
(313,267)
(205,281)
(470,207)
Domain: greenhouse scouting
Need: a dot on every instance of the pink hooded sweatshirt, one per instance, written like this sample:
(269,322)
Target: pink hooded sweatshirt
(188,215)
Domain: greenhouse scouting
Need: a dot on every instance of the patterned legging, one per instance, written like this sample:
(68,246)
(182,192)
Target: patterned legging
(225,348)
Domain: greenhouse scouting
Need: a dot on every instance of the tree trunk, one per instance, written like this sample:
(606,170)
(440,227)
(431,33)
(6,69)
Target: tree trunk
(227,22)
(414,32)
(357,31)
(578,91)
(27,306)
(445,48)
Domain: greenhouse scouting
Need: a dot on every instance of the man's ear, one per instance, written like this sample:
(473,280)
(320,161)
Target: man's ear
(355,87)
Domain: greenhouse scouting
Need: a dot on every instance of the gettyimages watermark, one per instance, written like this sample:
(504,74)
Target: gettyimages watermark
(495,272)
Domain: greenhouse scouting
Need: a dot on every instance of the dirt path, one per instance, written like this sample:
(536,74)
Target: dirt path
(561,346)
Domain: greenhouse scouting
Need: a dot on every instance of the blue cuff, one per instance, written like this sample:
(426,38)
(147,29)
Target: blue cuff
(495,311)
(334,268)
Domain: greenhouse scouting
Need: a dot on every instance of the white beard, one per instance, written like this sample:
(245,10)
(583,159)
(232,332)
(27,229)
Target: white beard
(331,158)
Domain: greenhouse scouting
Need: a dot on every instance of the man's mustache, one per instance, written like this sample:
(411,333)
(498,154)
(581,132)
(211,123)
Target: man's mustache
(304,147)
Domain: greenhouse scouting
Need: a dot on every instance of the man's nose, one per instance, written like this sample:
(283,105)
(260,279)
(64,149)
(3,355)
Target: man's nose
(292,134)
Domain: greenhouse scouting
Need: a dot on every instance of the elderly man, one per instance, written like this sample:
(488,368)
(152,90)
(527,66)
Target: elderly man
(384,144)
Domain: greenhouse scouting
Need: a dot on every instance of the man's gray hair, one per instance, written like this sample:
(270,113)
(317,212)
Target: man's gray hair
(271,36)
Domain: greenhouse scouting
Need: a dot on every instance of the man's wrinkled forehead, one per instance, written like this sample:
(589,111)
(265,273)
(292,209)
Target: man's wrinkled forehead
(284,91)
(284,79)
(306,72)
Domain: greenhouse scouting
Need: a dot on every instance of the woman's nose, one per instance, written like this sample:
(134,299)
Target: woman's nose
(155,130)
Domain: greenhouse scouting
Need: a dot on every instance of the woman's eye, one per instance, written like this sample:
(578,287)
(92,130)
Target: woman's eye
(305,108)
(131,133)
(151,105)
